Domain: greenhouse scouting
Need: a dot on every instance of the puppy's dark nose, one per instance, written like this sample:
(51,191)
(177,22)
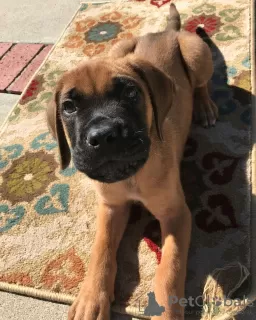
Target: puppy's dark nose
(103,135)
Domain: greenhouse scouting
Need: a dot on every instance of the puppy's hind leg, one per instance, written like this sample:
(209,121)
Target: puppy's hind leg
(198,59)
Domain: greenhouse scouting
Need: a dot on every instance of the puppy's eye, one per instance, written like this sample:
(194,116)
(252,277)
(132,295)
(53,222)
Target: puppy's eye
(69,107)
(130,92)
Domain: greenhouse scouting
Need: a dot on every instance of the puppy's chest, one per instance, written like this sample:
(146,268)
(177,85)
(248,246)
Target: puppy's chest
(133,189)
(140,187)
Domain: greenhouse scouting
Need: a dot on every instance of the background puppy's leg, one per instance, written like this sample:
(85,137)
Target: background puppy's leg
(97,292)
(198,60)
(205,110)
(170,276)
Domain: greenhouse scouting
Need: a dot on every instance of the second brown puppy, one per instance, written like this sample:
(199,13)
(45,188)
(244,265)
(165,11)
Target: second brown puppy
(127,118)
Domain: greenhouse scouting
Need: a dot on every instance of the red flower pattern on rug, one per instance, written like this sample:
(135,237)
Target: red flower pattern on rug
(159,3)
(154,248)
(152,237)
(210,23)
(19,278)
(66,271)
(33,89)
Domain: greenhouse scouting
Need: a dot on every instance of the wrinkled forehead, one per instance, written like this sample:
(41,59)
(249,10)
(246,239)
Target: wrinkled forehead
(95,77)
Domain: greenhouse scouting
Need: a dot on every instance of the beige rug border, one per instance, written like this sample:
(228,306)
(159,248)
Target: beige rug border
(68,299)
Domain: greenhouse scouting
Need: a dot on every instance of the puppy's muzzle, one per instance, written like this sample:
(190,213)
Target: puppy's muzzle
(106,134)
(110,150)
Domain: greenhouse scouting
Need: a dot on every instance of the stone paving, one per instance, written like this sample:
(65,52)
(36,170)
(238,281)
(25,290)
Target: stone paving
(18,64)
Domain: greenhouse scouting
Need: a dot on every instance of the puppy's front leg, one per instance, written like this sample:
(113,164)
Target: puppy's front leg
(97,292)
(171,273)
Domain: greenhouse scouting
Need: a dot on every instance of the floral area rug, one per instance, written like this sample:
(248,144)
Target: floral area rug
(47,216)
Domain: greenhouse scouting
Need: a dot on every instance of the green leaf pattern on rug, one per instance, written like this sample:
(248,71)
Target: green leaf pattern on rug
(46,96)
(44,99)
(230,15)
(35,106)
(56,202)
(83,7)
(207,8)
(9,153)
(14,115)
(53,77)
(10,217)
(231,33)
(183,16)
(44,141)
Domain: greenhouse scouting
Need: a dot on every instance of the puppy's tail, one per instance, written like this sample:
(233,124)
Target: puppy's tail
(174,22)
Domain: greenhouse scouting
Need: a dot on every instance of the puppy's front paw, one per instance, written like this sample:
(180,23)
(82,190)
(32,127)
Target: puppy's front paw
(90,306)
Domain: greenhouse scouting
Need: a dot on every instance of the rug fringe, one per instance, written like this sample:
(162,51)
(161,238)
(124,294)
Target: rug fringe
(36,293)
(62,298)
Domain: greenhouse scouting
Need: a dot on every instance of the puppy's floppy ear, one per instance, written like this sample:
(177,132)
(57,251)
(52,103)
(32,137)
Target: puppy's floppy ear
(161,89)
(56,128)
